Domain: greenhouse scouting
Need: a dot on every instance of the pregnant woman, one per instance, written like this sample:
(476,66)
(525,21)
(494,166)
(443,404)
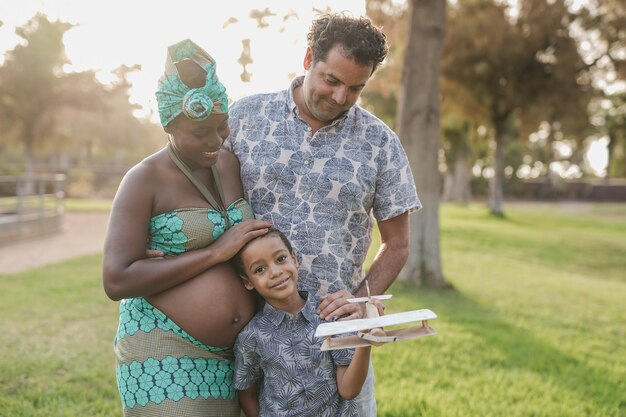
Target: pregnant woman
(180,314)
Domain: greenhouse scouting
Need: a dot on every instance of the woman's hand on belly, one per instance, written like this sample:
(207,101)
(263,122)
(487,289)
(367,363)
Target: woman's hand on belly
(212,307)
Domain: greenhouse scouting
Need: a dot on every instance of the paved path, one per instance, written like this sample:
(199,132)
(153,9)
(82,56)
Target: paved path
(82,234)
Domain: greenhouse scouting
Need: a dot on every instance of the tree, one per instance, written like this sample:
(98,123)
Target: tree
(510,65)
(383,89)
(34,87)
(457,134)
(609,115)
(113,135)
(603,22)
(96,148)
(418,126)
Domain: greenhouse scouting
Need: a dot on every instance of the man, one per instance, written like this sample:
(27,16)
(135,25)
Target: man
(322,168)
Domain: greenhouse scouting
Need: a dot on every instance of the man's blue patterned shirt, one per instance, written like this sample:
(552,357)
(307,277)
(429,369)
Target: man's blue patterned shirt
(323,190)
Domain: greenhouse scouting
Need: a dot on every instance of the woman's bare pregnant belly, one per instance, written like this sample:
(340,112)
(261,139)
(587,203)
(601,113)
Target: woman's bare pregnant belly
(212,307)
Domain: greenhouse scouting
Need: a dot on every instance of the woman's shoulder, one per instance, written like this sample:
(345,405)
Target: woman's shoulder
(146,171)
(228,164)
(228,157)
(150,165)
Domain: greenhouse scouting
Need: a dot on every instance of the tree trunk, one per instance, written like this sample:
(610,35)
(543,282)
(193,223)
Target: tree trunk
(419,129)
(456,182)
(29,161)
(496,185)
(610,147)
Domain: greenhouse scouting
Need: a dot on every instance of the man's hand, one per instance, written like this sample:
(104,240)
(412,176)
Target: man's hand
(379,306)
(335,305)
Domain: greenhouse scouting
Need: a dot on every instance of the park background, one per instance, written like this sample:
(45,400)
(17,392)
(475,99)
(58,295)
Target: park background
(520,165)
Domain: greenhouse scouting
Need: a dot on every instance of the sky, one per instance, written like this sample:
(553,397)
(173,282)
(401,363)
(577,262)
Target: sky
(115,32)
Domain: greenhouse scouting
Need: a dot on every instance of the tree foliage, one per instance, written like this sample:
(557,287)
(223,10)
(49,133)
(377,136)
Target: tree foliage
(59,119)
(35,88)
(383,89)
(604,22)
(603,35)
(510,67)
(520,68)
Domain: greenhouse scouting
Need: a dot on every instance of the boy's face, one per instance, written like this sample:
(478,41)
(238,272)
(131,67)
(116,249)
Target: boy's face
(270,268)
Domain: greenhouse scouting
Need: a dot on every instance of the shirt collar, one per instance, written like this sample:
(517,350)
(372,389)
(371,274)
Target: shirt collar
(276,316)
(297,82)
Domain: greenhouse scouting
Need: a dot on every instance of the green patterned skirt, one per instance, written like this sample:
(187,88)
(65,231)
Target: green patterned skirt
(163,371)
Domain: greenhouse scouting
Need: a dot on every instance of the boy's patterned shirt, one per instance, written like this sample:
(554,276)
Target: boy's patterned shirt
(296,378)
(322,190)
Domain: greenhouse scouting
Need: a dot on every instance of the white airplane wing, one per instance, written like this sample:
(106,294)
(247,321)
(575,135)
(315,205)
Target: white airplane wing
(348,342)
(366,299)
(339,327)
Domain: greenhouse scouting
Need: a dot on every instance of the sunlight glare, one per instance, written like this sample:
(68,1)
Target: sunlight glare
(597,155)
(116,32)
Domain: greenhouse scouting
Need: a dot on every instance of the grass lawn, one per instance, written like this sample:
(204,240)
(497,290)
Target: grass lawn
(534,326)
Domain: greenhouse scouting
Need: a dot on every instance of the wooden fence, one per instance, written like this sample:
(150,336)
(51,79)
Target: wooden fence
(30,206)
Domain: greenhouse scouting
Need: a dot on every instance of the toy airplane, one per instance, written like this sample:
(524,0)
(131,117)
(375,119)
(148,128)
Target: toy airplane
(370,329)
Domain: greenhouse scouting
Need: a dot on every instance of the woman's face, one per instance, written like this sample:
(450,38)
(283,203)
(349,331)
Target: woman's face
(198,143)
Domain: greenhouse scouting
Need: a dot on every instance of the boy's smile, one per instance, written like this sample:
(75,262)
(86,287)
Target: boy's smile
(281,284)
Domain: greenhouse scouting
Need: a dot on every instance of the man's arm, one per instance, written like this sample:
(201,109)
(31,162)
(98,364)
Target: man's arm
(391,257)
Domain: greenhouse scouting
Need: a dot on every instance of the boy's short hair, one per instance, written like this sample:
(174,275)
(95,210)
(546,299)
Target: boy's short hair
(238,262)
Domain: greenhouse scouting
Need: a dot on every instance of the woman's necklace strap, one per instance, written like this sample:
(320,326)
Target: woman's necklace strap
(218,205)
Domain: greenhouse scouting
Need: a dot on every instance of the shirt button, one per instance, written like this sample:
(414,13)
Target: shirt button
(295,233)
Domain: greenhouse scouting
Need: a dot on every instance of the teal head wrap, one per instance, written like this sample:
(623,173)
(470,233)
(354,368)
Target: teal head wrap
(174,97)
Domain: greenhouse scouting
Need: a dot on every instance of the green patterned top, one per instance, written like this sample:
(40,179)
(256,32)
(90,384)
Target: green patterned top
(182,230)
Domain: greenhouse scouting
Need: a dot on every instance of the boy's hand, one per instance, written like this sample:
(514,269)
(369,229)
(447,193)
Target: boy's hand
(335,305)
(154,254)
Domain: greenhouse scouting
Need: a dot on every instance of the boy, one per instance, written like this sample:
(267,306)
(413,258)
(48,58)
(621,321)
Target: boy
(276,354)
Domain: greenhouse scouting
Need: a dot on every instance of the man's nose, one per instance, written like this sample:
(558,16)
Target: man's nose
(340,95)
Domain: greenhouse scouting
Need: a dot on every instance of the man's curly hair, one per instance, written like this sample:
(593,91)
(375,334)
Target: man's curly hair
(358,37)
